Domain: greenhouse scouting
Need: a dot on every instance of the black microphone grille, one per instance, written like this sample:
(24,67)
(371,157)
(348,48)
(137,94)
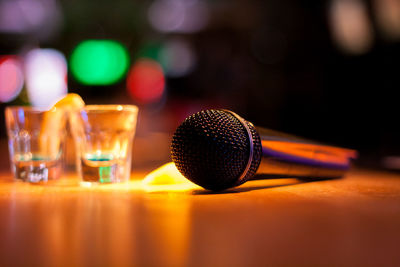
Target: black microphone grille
(216,149)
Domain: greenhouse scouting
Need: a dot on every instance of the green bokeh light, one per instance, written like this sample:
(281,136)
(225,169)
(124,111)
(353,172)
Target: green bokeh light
(99,62)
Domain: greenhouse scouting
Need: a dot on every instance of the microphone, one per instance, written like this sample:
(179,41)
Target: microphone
(217,149)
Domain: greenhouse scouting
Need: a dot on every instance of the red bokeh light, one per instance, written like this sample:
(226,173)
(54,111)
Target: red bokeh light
(146,81)
(11,78)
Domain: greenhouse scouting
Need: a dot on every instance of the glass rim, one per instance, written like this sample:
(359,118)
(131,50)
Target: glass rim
(105,107)
(110,107)
(26,108)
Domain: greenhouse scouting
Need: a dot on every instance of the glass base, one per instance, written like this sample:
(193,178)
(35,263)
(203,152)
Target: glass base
(35,171)
(102,169)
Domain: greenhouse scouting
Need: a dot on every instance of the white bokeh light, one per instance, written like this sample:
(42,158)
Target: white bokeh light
(46,76)
(351,26)
(180,16)
(42,18)
(179,57)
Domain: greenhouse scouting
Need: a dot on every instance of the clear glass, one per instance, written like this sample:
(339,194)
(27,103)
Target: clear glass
(36,143)
(104,138)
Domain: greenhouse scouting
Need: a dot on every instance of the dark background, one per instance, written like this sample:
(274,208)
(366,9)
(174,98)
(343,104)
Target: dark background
(280,64)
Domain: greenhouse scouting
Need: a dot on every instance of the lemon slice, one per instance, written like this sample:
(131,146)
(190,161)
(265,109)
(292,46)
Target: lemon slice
(70,101)
(54,120)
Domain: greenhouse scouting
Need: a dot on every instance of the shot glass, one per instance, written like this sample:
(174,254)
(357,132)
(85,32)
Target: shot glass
(104,138)
(35,143)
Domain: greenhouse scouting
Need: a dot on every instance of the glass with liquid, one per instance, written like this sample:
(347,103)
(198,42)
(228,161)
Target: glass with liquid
(36,143)
(104,138)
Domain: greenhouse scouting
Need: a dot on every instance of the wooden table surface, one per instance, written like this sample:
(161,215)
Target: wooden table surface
(354,221)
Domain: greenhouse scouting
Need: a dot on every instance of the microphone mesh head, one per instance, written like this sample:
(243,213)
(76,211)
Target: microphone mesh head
(211,148)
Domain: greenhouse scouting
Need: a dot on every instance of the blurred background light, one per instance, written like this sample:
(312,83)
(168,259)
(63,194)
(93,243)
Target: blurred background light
(153,50)
(175,55)
(46,76)
(39,17)
(183,16)
(388,17)
(178,57)
(99,62)
(146,81)
(350,25)
(315,67)
(11,78)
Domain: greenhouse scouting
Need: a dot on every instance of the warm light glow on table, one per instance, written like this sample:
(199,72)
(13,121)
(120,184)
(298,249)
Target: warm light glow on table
(167,178)
(278,221)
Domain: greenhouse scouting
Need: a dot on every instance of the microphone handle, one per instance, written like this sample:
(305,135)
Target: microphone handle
(285,155)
